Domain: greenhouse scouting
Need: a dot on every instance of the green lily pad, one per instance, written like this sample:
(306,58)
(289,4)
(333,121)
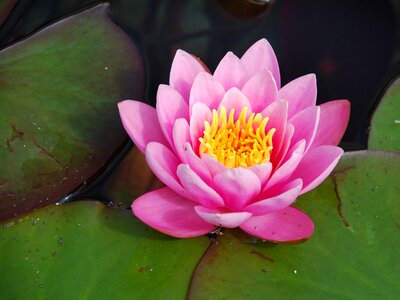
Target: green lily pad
(59,122)
(385,123)
(354,253)
(84,250)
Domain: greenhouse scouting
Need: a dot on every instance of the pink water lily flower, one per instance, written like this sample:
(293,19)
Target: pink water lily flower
(233,148)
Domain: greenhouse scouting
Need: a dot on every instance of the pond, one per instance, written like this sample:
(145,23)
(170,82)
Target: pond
(66,64)
(350,46)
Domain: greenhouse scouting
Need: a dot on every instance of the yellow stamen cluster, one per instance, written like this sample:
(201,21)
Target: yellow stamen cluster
(237,143)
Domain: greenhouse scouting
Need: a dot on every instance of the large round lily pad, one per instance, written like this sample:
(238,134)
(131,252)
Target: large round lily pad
(84,250)
(354,253)
(59,122)
(385,123)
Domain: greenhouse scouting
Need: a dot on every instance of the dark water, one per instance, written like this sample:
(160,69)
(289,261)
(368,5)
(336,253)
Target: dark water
(353,46)
(350,45)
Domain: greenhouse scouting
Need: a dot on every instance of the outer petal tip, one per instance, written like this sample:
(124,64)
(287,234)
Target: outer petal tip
(300,93)
(136,117)
(261,90)
(170,213)
(261,56)
(312,76)
(345,108)
(334,118)
(287,225)
(316,165)
(206,89)
(230,71)
(183,72)
(170,106)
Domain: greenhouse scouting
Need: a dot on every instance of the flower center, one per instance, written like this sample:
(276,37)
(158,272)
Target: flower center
(237,143)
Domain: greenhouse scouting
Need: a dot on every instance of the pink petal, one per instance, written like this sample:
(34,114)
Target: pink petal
(197,164)
(305,124)
(316,165)
(185,151)
(181,136)
(170,106)
(333,122)
(280,199)
(212,164)
(230,72)
(262,171)
(277,113)
(200,191)
(206,89)
(277,158)
(170,213)
(287,225)
(237,186)
(221,217)
(300,93)
(235,99)
(200,114)
(184,70)
(141,123)
(261,56)
(164,163)
(260,90)
(288,167)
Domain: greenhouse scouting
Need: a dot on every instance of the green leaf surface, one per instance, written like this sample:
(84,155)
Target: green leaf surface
(353,254)
(385,123)
(84,250)
(59,122)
